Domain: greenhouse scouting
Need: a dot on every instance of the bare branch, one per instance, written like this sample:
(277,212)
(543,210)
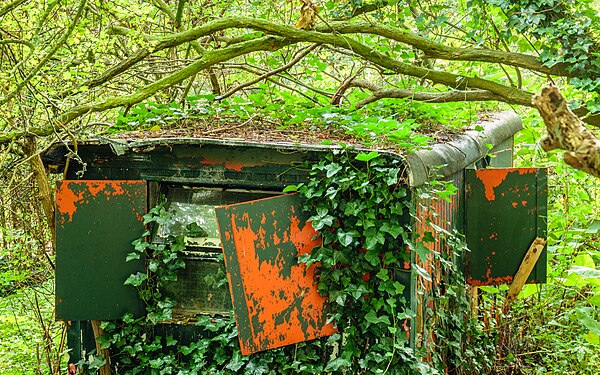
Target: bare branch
(430,97)
(282,68)
(567,132)
(53,50)
(208,59)
(17,41)
(10,6)
(336,99)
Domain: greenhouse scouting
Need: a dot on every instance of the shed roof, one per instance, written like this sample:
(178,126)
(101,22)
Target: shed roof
(441,159)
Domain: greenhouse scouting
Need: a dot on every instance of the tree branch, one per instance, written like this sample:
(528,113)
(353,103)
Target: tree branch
(336,99)
(430,97)
(511,95)
(53,50)
(157,43)
(209,59)
(442,51)
(10,6)
(282,68)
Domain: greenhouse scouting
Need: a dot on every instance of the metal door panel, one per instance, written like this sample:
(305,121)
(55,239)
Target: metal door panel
(275,298)
(506,210)
(96,221)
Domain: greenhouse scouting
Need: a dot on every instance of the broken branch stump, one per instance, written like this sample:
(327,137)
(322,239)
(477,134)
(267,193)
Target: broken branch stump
(567,132)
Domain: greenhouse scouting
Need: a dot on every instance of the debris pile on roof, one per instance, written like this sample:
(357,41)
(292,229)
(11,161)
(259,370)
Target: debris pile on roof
(259,128)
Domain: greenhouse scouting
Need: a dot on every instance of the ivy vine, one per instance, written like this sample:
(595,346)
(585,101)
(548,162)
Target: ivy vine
(362,210)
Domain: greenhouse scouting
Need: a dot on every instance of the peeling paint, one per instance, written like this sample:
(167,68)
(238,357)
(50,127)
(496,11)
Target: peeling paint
(492,178)
(490,281)
(277,302)
(72,193)
(95,224)
(501,226)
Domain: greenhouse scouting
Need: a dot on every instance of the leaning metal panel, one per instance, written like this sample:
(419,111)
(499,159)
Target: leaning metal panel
(275,298)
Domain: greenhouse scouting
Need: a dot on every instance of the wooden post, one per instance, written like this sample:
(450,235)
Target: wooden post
(531,258)
(474,302)
(98,331)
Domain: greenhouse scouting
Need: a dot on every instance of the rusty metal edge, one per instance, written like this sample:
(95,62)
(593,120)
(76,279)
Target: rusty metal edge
(445,159)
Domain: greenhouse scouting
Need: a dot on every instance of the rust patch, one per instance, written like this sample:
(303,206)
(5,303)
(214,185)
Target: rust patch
(275,298)
(230,165)
(70,194)
(492,178)
(491,281)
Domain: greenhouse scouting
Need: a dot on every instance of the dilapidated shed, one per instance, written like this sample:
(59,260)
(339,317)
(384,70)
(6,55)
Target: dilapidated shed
(109,185)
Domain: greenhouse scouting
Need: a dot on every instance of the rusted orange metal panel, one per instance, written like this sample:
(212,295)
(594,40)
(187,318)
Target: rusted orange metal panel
(275,298)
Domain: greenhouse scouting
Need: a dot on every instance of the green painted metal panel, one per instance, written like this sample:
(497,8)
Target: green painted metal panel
(506,210)
(275,299)
(96,221)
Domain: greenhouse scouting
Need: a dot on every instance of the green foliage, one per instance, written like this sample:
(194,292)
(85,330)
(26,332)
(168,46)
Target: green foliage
(362,211)
(464,343)
(142,345)
(27,326)
(551,326)
(568,31)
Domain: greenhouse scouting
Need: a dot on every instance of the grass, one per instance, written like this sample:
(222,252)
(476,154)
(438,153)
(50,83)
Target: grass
(27,329)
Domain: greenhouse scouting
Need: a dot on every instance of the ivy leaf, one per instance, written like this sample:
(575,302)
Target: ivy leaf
(337,363)
(236,362)
(374,237)
(332,169)
(422,251)
(171,341)
(367,157)
(136,279)
(392,176)
(96,361)
(372,318)
(383,274)
(345,238)
(372,256)
(153,266)
(318,222)
(421,272)
(290,188)
(394,229)
(340,299)
(132,256)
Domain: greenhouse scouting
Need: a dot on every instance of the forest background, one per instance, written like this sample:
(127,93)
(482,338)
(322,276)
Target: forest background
(379,72)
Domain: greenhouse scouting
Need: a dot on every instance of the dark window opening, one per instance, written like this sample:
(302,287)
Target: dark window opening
(199,288)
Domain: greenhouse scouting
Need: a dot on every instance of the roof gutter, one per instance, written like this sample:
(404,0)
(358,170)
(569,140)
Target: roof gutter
(445,159)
